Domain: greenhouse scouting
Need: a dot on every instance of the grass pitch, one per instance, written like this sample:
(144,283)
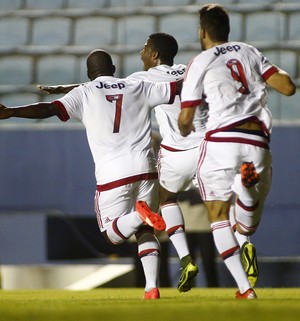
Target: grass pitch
(127,305)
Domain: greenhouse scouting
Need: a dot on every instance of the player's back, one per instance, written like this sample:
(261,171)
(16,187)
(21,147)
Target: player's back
(117,122)
(233,83)
(167,115)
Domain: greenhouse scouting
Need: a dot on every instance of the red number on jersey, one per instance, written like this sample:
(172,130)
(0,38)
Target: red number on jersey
(118,99)
(238,74)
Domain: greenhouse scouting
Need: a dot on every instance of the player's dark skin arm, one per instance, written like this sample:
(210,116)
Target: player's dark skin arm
(57,89)
(34,111)
(64,89)
(179,86)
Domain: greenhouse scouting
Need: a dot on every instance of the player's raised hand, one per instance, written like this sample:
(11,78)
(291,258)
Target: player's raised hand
(49,89)
(57,89)
(5,112)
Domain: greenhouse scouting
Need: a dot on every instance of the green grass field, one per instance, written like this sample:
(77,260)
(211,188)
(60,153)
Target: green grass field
(127,305)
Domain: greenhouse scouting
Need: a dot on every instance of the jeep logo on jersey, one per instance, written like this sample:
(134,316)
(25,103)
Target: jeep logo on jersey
(224,50)
(118,85)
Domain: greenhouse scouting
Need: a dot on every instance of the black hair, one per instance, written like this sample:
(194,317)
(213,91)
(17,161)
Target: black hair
(166,46)
(214,20)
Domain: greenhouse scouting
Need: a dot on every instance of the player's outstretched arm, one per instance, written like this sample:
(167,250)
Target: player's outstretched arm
(57,89)
(34,111)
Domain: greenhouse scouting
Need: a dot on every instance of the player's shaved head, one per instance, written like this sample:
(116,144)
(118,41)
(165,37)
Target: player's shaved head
(99,63)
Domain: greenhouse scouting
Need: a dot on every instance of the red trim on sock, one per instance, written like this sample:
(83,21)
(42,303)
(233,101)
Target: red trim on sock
(230,252)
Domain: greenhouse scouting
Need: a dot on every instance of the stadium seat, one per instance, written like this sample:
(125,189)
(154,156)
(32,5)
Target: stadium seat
(222,2)
(16,70)
(10,4)
(257,1)
(91,4)
(17,99)
(288,61)
(272,55)
(290,108)
(128,3)
(173,24)
(264,26)
(236,30)
(274,104)
(94,31)
(284,109)
(53,4)
(184,57)
(13,31)
(51,31)
(170,2)
(135,29)
(290,2)
(56,69)
(294,26)
(132,63)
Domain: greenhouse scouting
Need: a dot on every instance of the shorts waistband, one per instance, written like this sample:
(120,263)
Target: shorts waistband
(127,180)
(236,136)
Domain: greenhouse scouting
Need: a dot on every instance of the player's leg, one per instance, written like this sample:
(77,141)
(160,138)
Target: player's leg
(226,242)
(149,254)
(116,212)
(173,217)
(252,186)
(248,251)
(176,173)
(215,187)
(148,245)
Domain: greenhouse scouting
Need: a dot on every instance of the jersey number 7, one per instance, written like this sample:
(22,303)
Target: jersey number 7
(118,99)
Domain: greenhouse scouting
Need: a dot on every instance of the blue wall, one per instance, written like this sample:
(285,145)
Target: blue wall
(44,170)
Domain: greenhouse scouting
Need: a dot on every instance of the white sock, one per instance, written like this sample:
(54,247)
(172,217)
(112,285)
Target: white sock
(173,217)
(149,254)
(229,250)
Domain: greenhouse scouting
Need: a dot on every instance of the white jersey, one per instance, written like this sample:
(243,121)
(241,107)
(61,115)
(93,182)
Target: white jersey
(117,123)
(231,78)
(167,115)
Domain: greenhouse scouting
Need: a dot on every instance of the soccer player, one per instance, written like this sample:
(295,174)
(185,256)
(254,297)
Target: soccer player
(118,127)
(235,157)
(178,156)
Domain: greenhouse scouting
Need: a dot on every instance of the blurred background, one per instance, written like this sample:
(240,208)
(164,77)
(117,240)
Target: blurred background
(46,171)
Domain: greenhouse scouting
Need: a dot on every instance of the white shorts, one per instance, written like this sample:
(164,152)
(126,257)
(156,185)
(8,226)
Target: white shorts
(176,169)
(219,169)
(115,202)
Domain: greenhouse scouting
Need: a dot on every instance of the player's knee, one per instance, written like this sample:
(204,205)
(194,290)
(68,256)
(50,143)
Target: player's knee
(112,238)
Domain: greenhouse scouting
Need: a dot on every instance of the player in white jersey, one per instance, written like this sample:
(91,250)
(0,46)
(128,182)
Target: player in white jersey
(234,156)
(178,155)
(118,130)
